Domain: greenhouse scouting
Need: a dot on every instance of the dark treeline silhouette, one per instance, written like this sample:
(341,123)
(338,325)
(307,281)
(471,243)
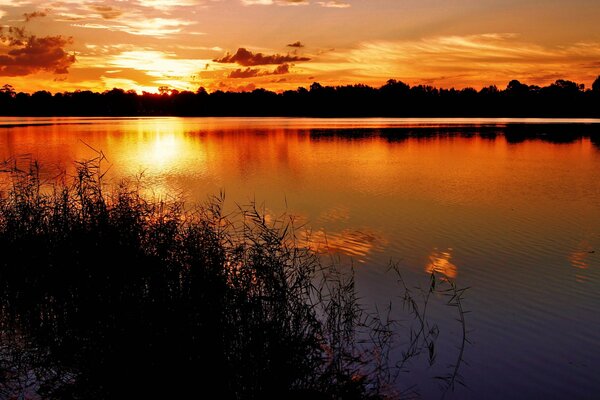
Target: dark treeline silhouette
(562,98)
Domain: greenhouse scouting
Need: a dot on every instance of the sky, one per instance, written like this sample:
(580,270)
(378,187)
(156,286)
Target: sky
(278,45)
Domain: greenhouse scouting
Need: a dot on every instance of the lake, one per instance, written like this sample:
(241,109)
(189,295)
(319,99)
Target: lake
(508,208)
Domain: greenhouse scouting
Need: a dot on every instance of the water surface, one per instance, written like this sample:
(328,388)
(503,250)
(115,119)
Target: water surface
(509,208)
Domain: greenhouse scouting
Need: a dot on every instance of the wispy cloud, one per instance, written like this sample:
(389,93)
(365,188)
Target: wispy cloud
(276,2)
(107,12)
(457,60)
(158,27)
(14,3)
(329,4)
(169,4)
(155,18)
(333,4)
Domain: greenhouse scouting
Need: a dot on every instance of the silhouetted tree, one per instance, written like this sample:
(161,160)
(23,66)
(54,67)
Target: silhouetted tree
(596,85)
(315,87)
(567,86)
(7,90)
(515,87)
(492,89)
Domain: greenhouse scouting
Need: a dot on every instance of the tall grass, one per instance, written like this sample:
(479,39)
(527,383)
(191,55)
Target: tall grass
(106,294)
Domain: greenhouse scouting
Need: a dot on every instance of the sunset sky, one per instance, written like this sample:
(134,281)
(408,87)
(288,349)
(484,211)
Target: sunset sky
(283,44)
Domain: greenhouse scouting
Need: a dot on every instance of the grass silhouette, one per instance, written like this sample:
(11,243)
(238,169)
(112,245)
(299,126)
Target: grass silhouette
(106,294)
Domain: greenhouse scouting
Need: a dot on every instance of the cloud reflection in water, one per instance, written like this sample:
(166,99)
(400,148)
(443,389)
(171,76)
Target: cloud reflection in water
(439,262)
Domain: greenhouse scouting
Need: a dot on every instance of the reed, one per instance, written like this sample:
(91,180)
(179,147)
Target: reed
(105,293)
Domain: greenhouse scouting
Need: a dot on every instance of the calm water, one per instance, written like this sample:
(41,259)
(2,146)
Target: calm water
(510,209)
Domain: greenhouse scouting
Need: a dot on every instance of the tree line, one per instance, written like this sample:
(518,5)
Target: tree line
(563,98)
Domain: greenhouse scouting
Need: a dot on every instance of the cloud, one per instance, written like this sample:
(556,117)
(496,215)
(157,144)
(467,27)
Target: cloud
(254,72)
(247,58)
(592,65)
(107,12)
(157,64)
(460,61)
(157,27)
(244,73)
(13,3)
(281,69)
(328,4)
(28,55)
(32,15)
(168,4)
(157,18)
(278,2)
(257,2)
(333,4)
(14,36)
(296,44)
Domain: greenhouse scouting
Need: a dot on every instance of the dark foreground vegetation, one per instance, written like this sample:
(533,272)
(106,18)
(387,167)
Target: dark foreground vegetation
(562,98)
(104,295)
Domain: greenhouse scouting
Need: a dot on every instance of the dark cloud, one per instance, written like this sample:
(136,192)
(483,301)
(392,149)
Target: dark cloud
(247,58)
(281,69)
(35,14)
(254,72)
(29,54)
(244,73)
(107,12)
(296,44)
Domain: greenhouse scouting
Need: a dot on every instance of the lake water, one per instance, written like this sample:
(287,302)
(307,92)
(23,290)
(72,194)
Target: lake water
(509,208)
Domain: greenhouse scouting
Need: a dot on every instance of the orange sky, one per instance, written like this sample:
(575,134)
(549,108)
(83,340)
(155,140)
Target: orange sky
(283,44)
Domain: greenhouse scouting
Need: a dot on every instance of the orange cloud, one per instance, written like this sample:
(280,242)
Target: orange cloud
(247,58)
(333,4)
(107,12)
(158,27)
(460,61)
(26,55)
(278,2)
